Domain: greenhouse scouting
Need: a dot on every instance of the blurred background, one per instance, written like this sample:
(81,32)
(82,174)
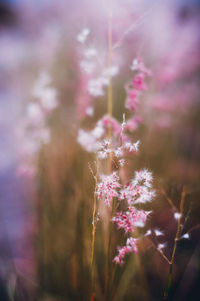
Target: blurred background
(46,188)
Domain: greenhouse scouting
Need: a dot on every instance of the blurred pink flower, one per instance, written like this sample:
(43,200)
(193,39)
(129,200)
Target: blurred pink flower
(138,82)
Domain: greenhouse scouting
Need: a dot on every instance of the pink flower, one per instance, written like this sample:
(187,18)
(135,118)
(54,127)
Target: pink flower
(144,176)
(138,65)
(107,188)
(116,126)
(130,247)
(104,149)
(138,82)
(133,123)
(132,99)
(130,219)
(139,190)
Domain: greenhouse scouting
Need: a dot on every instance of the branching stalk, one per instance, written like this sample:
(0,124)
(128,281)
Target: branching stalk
(169,200)
(176,239)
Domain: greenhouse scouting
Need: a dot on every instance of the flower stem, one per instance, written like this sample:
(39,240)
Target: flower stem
(93,241)
(109,108)
(109,101)
(93,231)
(177,237)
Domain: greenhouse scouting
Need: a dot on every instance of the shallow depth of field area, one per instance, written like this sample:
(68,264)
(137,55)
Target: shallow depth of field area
(99,150)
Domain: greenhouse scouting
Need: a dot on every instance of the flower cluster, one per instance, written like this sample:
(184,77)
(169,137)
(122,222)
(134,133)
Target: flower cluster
(95,140)
(139,190)
(107,188)
(96,85)
(34,132)
(134,90)
(130,247)
(93,77)
(46,94)
(130,219)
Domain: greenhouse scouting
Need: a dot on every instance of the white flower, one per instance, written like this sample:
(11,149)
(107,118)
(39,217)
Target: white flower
(139,224)
(44,79)
(122,162)
(95,87)
(161,246)
(35,113)
(132,147)
(134,65)
(82,36)
(177,215)
(158,232)
(110,72)
(143,176)
(48,98)
(45,135)
(103,149)
(47,95)
(97,132)
(118,152)
(147,233)
(123,122)
(136,145)
(86,140)
(87,66)
(145,196)
(90,53)
(186,236)
(89,139)
(90,111)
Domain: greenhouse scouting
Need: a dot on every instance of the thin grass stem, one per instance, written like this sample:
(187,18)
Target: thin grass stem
(176,239)
(109,109)
(93,232)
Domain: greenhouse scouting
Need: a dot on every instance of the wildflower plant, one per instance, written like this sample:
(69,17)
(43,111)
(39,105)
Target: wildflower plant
(111,143)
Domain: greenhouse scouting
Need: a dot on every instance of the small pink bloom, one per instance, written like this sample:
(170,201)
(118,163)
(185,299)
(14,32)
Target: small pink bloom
(132,100)
(133,123)
(116,126)
(130,247)
(130,219)
(107,188)
(138,65)
(138,82)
